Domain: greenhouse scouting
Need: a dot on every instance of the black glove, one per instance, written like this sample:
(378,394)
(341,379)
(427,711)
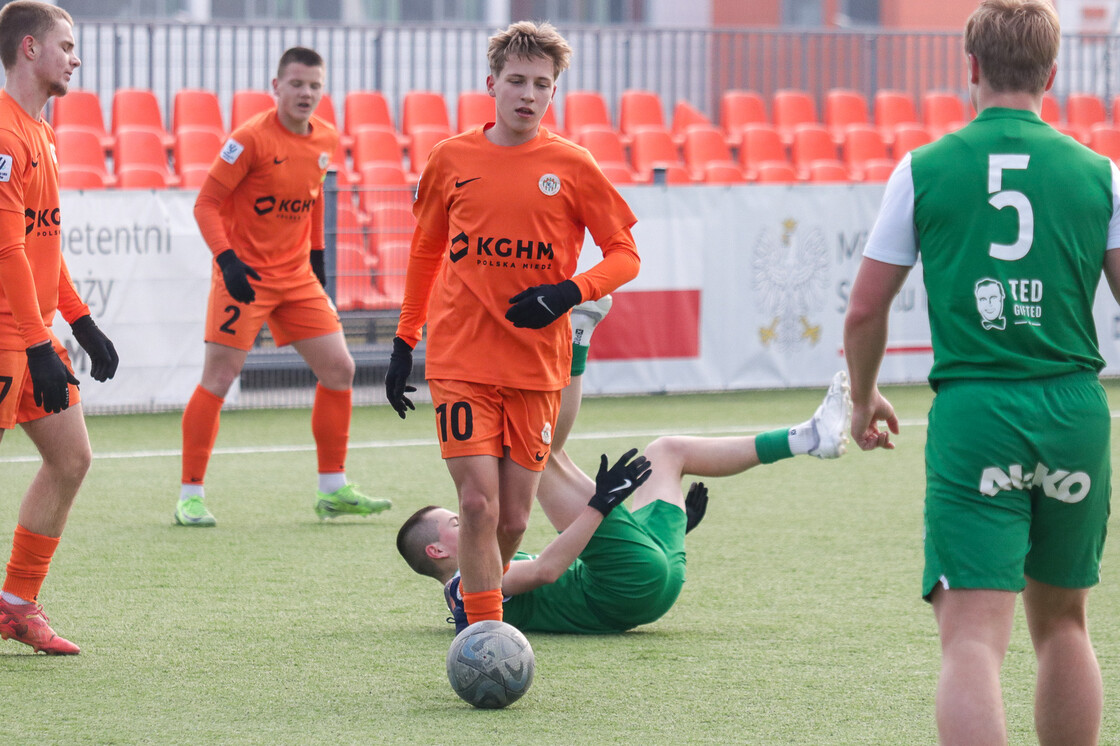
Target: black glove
(396,380)
(102,355)
(318,266)
(49,376)
(540,305)
(236,274)
(695,505)
(615,484)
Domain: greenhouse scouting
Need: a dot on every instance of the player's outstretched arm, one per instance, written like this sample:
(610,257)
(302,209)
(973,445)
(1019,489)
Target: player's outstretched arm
(612,485)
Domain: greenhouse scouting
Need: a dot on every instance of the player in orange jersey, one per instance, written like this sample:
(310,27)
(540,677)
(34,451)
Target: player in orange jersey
(261,213)
(501,212)
(38,390)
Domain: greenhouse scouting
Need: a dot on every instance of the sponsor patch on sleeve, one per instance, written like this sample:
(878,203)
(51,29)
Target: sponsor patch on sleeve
(231,151)
(5,167)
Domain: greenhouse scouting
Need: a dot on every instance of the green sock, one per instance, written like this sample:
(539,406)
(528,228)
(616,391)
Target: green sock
(579,359)
(772,446)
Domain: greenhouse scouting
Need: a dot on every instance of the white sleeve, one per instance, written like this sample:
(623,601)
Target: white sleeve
(894,239)
(1114,224)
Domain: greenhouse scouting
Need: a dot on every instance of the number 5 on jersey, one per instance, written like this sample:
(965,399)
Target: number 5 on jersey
(1018,201)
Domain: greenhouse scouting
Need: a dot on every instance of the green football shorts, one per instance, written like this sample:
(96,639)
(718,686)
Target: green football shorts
(1018,480)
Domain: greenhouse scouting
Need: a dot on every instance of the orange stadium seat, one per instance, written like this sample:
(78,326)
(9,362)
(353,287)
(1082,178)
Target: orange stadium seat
(792,108)
(193,176)
(704,145)
(775,172)
(843,107)
(862,143)
(1083,110)
(141,160)
(686,115)
(197,109)
(811,142)
(653,148)
(138,109)
(423,109)
(362,109)
(723,173)
(423,140)
(80,109)
(473,109)
(384,183)
(391,229)
(943,112)
(195,150)
(247,104)
(760,143)
(80,155)
(737,109)
(639,110)
(618,173)
(1105,139)
(878,169)
(1051,109)
(892,110)
(584,109)
(826,170)
(605,145)
(376,145)
(909,136)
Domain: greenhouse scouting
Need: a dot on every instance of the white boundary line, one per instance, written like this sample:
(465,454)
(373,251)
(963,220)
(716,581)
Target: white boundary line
(420,442)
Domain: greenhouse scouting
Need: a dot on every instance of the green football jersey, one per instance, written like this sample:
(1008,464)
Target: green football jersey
(1012,221)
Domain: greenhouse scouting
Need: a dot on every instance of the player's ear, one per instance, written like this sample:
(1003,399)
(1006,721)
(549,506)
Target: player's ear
(436,550)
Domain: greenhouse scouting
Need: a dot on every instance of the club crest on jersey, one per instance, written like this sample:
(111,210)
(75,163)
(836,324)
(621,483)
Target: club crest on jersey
(324,160)
(549,185)
(5,167)
(231,151)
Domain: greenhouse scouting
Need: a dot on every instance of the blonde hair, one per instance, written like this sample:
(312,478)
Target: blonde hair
(26,18)
(1016,43)
(528,39)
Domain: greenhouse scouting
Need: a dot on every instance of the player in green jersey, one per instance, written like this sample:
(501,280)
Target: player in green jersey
(1015,224)
(608,573)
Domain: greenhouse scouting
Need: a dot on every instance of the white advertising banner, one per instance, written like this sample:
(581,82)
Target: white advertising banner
(141,265)
(740,287)
(771,268)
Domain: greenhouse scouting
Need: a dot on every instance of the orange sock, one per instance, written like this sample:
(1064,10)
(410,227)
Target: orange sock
(200,430)
(483,605)
(330,425)
(31,558)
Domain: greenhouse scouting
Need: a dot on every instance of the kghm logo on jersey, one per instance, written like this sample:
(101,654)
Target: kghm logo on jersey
(43,222)
(286,209)
(549,185)
(502,253)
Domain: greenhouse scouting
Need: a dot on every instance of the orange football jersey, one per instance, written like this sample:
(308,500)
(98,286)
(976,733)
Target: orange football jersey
(30,222)
(504,219)
(276,178)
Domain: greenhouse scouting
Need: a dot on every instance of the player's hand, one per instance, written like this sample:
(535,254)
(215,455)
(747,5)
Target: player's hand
(102,355)
(236,274)
(318,266)
(616,483)
(695,505)
(540,305)
(49,378)
(865,423)
(396,380)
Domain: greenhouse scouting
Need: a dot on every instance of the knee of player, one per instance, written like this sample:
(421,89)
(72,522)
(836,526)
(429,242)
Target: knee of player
(667,452)
(71,463)
(477,508)
(512,527)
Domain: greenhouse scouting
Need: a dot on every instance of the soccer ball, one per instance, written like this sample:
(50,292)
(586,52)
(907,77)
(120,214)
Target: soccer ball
(490,664)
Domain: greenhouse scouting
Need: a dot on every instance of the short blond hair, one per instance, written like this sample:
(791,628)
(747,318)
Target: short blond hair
(1016,43)
(529,40)
(26,18)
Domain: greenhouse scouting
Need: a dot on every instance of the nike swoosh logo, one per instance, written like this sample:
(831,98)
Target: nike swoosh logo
(625,485)
(34,164)
(540,299)
(278,161)
(538,456)
(466,181)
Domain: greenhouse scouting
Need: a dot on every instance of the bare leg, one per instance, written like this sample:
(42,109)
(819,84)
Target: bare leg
(975,628)
(328,359)
(674,456)
(221,367)
(63,443)
(517,485)
(1069,695)
(476,480)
